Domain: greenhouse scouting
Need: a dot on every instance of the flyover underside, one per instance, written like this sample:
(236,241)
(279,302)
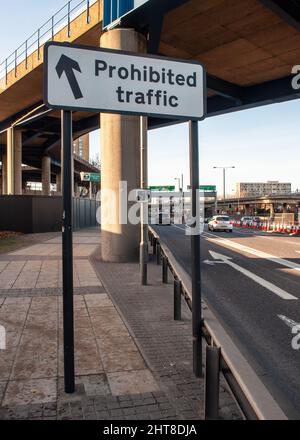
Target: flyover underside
(248,49)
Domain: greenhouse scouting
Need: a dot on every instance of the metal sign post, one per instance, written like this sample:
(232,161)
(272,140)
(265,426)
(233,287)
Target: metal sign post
(144,206)
(195,251)
(67,249)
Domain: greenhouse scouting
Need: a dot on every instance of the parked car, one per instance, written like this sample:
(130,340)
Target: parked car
(256,220)
(220,223)
(246,220)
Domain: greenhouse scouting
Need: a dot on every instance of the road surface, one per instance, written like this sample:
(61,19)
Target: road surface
(251,280)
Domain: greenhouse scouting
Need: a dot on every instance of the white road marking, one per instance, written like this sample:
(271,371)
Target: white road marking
(249,234)
(266,284)
(281,238)
(289,322)
(256,252)
(178,227)
(212,263)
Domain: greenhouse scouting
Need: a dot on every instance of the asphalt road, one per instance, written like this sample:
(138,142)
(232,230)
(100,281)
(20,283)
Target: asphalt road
(256,296)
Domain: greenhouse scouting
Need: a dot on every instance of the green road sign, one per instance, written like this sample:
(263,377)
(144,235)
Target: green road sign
(205,187)
(90,177)
(208,187)
(162,188)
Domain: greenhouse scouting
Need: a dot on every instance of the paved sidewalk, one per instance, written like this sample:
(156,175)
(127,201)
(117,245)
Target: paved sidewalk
(132,360)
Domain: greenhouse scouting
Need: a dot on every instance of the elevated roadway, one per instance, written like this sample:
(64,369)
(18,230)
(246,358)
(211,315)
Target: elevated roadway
(248,49)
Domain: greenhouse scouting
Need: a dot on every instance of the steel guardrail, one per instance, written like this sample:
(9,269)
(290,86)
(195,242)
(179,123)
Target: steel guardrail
(249,392)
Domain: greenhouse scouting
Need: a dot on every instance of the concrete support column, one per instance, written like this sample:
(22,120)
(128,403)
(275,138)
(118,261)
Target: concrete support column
(14,161)
(120,161)
(46,175)
(76,189)
(18,161)
(58,183)
(4,174)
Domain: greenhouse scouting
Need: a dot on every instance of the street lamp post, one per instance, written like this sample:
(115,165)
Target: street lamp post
(224,179)
(178,179)
(237,194)
(182,194)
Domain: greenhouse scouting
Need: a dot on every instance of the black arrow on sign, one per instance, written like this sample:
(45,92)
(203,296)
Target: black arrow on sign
(68,66)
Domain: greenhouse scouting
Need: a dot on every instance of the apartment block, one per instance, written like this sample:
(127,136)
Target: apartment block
(247,189)
(81,147)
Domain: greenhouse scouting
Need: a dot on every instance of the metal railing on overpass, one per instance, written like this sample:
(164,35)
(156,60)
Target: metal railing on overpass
(58,21)
(222,354)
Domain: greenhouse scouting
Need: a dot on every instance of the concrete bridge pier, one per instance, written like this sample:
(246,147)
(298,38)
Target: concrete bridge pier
(4,174)
(272,210)
(58,183)
(120,161)
(14,162)
(46,175)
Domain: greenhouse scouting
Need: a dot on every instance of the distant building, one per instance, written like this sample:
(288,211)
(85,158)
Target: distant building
(247,189)
(81,147)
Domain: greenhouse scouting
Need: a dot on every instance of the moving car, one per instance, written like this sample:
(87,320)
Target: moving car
(220,223)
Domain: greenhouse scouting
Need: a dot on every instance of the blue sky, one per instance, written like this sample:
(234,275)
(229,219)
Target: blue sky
(263,144)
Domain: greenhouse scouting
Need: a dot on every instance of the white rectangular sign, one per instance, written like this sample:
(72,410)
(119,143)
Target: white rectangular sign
(104,80)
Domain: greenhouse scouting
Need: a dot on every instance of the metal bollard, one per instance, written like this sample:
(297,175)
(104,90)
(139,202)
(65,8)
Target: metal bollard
(177,300)
(212,382)
(143,264)
(154,246)
(158,254)
(150,238)
(165,270)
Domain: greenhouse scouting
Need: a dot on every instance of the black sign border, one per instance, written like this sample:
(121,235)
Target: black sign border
(121,52)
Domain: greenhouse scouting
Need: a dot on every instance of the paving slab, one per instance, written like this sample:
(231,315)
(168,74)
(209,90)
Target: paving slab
(93,385)
(45,274)
(51,249)
(132,382)
(30,391)
(2,389)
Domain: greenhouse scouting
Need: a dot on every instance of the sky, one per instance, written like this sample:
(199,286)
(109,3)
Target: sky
(262,143)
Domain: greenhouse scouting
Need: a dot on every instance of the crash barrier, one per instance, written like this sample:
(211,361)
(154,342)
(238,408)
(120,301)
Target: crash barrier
(222,355)
(268,226)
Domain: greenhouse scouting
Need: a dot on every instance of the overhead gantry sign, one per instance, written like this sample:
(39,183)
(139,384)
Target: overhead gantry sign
(80,78)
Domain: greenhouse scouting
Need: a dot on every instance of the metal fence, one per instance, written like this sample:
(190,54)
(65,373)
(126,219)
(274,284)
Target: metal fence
(32,214)
(61,19)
